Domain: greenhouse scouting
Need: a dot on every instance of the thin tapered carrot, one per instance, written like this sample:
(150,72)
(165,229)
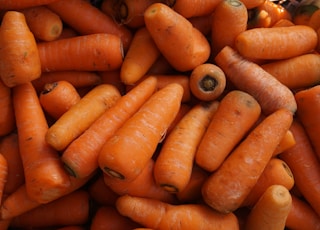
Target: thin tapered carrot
(179,42)
(297,72)
(235,116)
(43,170)
(92,20)
(173,166)
(140,134)
(43,23)
(276,42)
(202,23)
(56,98)
(7,120)
(81,156)
(314,20)
(17,5)
(81,115)
(93,52)
(18,43)
(287,142)
(161,215)
(192,8)
(230,184)
(271,210)
(207,82)
(251,78)
(142,53)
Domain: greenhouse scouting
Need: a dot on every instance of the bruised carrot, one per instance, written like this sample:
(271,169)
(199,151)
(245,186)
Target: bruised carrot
(81,156)
(228,186)
(193,8)
(81,115)
(7,120)
(179,42)
(287,142)
(236,114)
(251,78)
(94,52)
(17,5)
(161,215)
(140,134)
(20,61)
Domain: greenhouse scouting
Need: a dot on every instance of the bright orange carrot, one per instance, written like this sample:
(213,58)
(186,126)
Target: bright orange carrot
(271,210)
(173,166)
(251,78)
(18,43)
(160,215)
(81,156)
(228,186)
(7,121)
(140,134)
(181,44)
(94,52)
(236,114)
(17,5)
(56,98)
(192,8)
(287,142)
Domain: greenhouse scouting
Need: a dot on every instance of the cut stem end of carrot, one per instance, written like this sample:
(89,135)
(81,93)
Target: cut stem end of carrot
(170,188)
(208,83)
(113,173)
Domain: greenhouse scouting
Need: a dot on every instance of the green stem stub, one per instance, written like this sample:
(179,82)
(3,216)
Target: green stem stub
(113,173)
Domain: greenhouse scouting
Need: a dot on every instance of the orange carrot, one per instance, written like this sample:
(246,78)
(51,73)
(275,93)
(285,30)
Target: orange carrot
(230,184)
(173,166)
(283,22)
(179,42)
(160,215)
(271,210)
(140,134)
(67,32)
(20,62)
(250,4)
(94,52)
(184,109)
(81,156)
(251,78)
(56,98)
(276,42)
(16,5)
(202,23)
(236,114)
(207,82)
(3,175)
(7,121)
(287,142)
(314,21)
(302,14)
(318,45)
(192,8)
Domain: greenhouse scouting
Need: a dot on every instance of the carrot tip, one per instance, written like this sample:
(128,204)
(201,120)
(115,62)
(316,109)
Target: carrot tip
(113,173)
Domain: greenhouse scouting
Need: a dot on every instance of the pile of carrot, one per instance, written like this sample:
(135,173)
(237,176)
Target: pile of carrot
(149,114)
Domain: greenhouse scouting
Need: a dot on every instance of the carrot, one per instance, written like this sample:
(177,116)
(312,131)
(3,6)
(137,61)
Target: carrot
(67,32)
(184,109)
(271,210)
(251,78)
(7,120)
(17,5)
(17,43)
(179,42)
(276,42)
(194,8)
(303,14)
(207,82)
(161,215)
(236,114)
(94,52)
(283,22)
(81,156)
(43,170)
(56,98)
(314,20)
(91,21)
(202,23)
(161,66)
(318,45)
(140,56)
(230,184)
(43,23)
(3,175)
(173,166)
(113,78)
(5,224)
(250,4)
(141,134)
(287,142)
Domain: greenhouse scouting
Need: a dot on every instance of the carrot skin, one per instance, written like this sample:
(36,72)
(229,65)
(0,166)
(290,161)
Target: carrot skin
(18,5)
(193,8)
(7,120)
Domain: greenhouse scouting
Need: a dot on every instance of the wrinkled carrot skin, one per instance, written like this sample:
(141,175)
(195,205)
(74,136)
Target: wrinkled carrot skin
(17,5)
(7,120)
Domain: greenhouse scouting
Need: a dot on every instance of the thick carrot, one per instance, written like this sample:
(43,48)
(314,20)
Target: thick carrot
(160,215)
(287,142)
(56,98)
(140,134)
(235,116)
(93,52)
(20,61)
(207,82)
(271,210)
(81,156)
(173,166)
(276,42)
(192,8)
(251,78)
(180,43)
(17,5)
(230,184)
(7,120)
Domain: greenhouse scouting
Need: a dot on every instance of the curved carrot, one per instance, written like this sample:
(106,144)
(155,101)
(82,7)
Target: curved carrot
(80,116)
(140,134)
(271,210)
(236,114)
(18,43)
(207,82)
(193,8)
(161,215)
(17,5)
(181,44)
(7,120)
(228,186)
(80,157)
(251,78)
